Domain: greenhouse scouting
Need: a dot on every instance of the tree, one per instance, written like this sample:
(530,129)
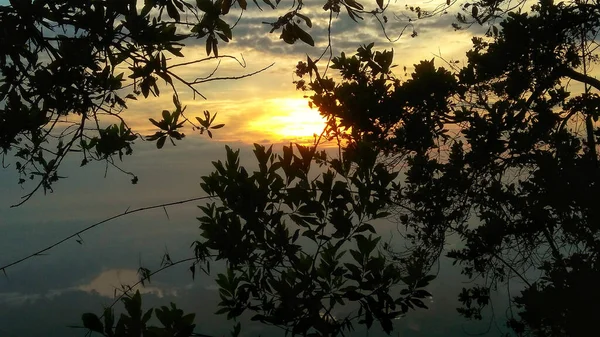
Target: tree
(85,60)
(547,140)
(135,321)
(299,248)
(501,152)
(491,152)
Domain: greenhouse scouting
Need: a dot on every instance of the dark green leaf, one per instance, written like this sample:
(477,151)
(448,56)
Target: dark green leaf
(92,322)
(161,142)
(302,35)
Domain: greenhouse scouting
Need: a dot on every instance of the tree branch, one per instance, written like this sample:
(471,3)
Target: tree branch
(577,76)
(127,212)
(198,81)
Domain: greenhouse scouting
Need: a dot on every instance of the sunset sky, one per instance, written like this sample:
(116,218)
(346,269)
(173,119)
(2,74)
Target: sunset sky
(266,108)
(54,290)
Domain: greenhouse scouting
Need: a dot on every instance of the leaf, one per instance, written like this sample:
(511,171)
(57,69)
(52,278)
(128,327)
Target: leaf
(204,5)
(223,37)
(380,3)
(354,4)
(145,89)
(421,293)
(365,227)
(357,256)
(161,142)
(429,278)
(222,311)
(225,6)
(425,281)
(352,15)
(176,102)
(303,36)
(175,51)
(287,36)
(214,47)
(307,19)
(173,12)
(218,126)
(153,121)
(147,8)
(203,122)
(208,45)
(147,316)
(418,303)
(236,330)
(243,4)
(92,322)
(166,115)
(109,319)
(224,27)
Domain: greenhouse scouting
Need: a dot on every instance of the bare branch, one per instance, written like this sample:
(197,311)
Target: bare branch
(76,234)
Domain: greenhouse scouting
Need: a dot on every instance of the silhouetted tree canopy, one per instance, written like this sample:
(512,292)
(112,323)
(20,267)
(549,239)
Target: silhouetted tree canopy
(500,152)
(86,59)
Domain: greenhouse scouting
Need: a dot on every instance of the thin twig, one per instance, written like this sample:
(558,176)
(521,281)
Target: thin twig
(232,77)
(127,212)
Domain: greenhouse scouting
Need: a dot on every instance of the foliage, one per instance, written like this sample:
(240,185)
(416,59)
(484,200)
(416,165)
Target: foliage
(69,68)
(286,238)
(135,322)
(500,153)
(538,166)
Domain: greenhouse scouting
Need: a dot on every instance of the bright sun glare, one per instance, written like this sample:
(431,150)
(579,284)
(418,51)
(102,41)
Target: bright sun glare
(291,118)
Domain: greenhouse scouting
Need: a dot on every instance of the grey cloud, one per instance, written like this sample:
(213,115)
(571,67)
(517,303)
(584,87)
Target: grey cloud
(251,34)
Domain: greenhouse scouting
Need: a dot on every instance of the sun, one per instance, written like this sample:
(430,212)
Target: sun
(290,119)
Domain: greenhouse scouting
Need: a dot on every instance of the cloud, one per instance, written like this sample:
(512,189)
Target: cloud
(251,34)
(114,282)
(239,103)
(109,283)
(14,298)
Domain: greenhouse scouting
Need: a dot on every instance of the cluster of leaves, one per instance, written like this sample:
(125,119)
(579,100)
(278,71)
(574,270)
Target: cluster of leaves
(300,250)
(535,144)
(168,125)
(135,322)
(491,152)
(84,60)
(498,152)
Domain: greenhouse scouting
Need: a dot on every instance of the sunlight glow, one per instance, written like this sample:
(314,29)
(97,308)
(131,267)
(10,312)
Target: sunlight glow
(291,118)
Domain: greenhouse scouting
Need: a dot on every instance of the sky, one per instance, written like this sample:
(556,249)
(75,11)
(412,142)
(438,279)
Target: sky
(266,108)
(53,290)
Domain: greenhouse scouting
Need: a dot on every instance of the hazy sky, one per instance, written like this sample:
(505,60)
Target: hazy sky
(266,107)
(53,290)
